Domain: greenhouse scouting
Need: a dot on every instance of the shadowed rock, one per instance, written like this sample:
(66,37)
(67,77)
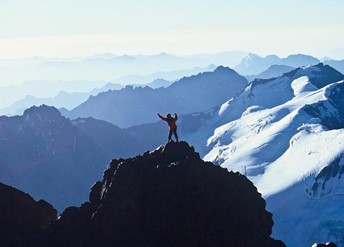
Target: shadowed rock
(168,197)
(22,219)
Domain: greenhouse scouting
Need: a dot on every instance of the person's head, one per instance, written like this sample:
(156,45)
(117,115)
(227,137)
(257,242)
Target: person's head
(169,115)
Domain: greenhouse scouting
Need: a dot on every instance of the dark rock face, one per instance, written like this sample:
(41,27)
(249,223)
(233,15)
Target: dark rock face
(168,197)
(330,111)
(22,218)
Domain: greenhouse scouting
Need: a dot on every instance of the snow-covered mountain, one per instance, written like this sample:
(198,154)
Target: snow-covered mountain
(286,134)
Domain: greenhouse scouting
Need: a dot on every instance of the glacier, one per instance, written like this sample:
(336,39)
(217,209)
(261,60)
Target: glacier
(283,133)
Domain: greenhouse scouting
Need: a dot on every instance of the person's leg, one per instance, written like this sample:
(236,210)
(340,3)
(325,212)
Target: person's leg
(170,135)
(175,134)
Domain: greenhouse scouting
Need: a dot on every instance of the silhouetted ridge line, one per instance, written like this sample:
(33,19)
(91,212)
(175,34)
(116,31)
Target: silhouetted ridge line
(168,197)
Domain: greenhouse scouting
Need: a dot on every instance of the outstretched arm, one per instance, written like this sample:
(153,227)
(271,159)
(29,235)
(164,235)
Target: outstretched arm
(175,117)
(163,118)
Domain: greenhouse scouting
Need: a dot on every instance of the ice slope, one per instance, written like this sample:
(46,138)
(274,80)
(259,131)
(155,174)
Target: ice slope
(301,220)
(282,133)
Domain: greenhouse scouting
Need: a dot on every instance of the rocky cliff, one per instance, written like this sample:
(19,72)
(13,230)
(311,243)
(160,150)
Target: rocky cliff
(168,197)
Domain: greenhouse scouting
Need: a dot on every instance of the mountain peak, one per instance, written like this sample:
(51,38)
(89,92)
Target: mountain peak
(167,197)
(175,152)
(252,56)
(222,69)
(42,109)
(320,75)
(42,112)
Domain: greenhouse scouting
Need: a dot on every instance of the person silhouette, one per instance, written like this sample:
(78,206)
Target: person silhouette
(171,121)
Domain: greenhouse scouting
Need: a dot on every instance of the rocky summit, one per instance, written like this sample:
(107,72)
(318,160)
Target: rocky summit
(168,197)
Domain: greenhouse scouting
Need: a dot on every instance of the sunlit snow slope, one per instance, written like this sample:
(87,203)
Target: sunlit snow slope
(285,134)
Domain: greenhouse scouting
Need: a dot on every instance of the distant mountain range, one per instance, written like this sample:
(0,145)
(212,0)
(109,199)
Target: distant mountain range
(10,95)
(27,94)
(52,157)
(165,75)
(132,106)
(107,67)
(45,78)
(253,64)
(61,100)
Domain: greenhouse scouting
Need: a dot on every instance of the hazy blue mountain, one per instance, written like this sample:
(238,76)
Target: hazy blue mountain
(44,89)
(132,106)
(337,64)
(46,77)
(106,87)
(39,90)
(165,75)
(271,72)
(159,83)
(254,64)
(228,59)
(57,159)
(61,100)
(106,67)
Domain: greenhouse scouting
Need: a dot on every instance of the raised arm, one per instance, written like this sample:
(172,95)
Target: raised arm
(163,118)
(175,117)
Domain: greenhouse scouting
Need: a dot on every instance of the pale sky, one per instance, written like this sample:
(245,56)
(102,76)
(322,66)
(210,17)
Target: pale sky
(65,28)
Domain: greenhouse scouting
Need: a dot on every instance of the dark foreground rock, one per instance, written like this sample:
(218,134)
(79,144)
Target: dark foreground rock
(166,198)
(22,219)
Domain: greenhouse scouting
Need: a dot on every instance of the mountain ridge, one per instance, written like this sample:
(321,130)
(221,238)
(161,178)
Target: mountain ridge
(132,106)
(42,147)
(253,64)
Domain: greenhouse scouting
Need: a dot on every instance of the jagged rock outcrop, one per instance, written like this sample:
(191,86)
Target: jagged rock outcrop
(168,197)
(22,219)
